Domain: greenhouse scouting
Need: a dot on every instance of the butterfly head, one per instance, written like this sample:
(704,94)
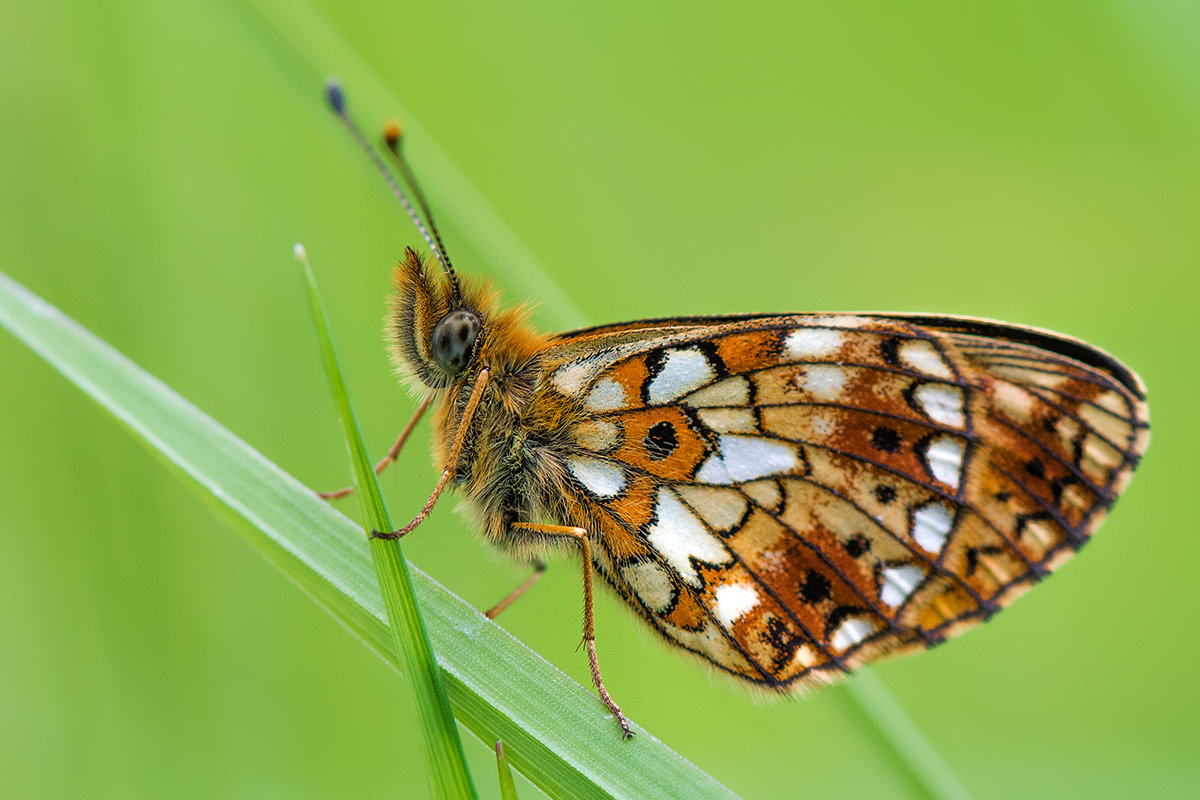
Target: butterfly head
(433,327)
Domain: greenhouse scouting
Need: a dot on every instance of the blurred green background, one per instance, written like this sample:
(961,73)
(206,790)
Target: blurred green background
(1028,161)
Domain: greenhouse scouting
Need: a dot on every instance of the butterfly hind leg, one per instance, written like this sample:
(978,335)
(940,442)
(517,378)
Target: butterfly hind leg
(580,536)
(539,567)
(387,460)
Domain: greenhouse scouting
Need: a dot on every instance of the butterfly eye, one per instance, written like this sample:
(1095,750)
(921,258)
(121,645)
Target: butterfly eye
(453,338)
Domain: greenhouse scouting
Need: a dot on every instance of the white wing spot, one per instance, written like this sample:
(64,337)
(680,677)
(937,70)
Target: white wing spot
(922,356)
(680,537)
(682,371)
(651,584)
(931,525)
(945,459)
(899,583)
(805,344)
(732,601)
(823,382)
(745,458)
(606,395)
(851,632)
(601,478)
(942,403)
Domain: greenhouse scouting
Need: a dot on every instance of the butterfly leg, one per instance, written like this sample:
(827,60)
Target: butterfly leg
(589,633)
(387,460)
(452,461)
(539,567)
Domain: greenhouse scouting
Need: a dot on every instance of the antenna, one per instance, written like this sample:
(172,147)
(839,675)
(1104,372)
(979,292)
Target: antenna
(393,137)
(392,134)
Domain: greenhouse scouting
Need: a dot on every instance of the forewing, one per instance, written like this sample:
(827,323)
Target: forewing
(790,497)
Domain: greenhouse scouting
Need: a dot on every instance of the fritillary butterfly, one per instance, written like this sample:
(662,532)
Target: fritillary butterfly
(788,497)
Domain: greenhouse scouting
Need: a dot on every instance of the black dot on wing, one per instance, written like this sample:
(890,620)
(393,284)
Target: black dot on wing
(884,493)
(661,440)
(815,587)
(886,439)
(889,349)
(1036,468)
(857,544)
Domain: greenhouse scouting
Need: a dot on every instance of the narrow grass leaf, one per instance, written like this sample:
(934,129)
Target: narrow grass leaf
(508,789)
(559,735)
(445,763)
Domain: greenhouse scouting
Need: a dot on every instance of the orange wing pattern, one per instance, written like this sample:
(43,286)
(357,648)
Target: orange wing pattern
(790,497)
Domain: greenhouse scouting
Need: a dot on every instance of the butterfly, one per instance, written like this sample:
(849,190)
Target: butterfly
(786,496)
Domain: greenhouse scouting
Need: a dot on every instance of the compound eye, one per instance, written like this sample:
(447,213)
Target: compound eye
(453,338)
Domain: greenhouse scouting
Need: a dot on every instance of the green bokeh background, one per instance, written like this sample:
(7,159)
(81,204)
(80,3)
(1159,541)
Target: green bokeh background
(1028,161)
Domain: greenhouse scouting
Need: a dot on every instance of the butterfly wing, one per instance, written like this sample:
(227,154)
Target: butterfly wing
(792,496)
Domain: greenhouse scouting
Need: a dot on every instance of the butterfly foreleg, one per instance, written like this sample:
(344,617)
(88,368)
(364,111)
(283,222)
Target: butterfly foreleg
(580,536)
(387,460)
(451,462)
(539,567)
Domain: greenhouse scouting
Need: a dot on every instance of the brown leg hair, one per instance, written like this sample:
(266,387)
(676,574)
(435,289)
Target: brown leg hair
(589,633)
(387,460)
(539,567)
(452,465)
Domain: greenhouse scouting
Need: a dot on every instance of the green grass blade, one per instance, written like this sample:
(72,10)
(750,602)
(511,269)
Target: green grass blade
(559,735)
(508,789)
(928,774)
(444,760)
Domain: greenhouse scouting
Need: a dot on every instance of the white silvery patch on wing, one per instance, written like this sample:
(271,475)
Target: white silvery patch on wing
(679,536)
(942,403)
(922,356)
(899,583)
(807,344)
(745,458)
(945,458)
(681,371)
(931,525)
(606,395)
(732,601)
(851,632)
(601,478)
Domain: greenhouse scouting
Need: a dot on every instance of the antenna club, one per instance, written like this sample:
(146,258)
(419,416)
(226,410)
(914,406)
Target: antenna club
(393,133)
(335,95)
(299,252)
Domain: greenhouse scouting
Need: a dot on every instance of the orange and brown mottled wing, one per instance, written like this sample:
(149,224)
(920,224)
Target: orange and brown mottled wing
(790,497)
